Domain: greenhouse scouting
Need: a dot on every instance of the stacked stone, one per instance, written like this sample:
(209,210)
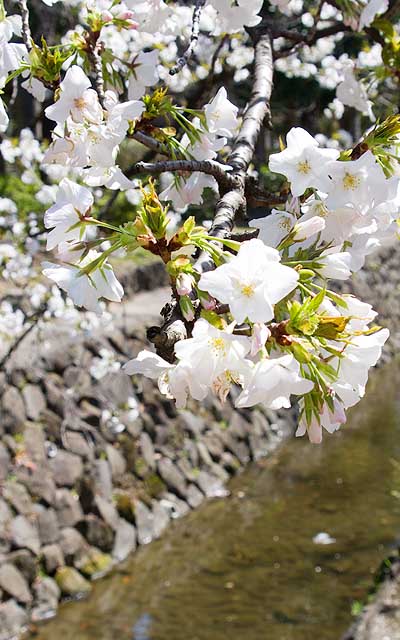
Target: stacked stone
(84,480)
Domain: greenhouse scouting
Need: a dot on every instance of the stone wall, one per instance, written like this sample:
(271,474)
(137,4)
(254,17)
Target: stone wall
(93,465)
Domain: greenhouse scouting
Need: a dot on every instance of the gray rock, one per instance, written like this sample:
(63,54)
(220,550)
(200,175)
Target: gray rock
(77,443)
(173,478)
(24,535)
(125,541)
(238,426)
(12,619)
(161,518)
(203,454)
(34,442)
(17,495)
(102,479)
(259,446)
(93,563)
(116,387)
(68,508)
(192,423)
(71,582)
(5,515)
(210,485)
(97,533)
(13,414)
(4,462)
(67,468)
(194,496)
(25,562)
(71,542)
(108,512)
(49,530)
(34,400)
(53,557)
(14,583)
(213,444)
(116,461)
(46,596)
(39,482)
(144,523)
(239,449)
(147,450)
(176,507)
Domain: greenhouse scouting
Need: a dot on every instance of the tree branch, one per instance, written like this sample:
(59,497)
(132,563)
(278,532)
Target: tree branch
(182,62)
(26,30)
(243,149)
(209,167)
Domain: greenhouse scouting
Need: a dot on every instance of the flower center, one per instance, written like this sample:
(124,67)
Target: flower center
(247,290)
(304,167)
(285,224)
(218,345)
(350,181)
(79,103)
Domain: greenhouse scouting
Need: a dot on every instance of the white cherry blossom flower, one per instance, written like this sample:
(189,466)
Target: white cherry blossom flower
(360,183)
(335,264)
(189,191)
(251,282)
(221,115)
(303,162)
(144,74)
(275,227)
(329,420)
(373,8)
(3,117)
(352,93)
(84,290)
(77,100)
(212,353)
(272,381)
(73,203)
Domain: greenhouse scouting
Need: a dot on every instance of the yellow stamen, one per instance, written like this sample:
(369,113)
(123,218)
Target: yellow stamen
(351,181)
(247,290)
(304,167)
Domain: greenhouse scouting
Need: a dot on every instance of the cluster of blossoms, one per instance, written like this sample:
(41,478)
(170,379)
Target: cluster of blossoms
(263,323)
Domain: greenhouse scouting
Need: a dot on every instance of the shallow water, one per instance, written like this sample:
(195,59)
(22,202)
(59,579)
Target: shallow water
(247,566)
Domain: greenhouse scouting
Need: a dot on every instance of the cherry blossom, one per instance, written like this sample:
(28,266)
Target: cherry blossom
(302,161)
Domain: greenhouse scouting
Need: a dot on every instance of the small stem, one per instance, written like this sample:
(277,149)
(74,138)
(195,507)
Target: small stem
(26,30)
(182,62)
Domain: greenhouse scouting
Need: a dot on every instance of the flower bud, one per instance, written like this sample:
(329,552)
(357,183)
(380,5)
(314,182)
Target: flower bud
(107,16)
(184,284)
(207,302)
(260,335)
(187,308)
(308,228)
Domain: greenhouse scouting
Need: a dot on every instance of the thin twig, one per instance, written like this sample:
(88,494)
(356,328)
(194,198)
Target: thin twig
(183,60)
(26,30)
(33,319)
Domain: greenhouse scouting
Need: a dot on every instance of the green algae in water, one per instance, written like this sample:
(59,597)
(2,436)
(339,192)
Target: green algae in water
(247,566)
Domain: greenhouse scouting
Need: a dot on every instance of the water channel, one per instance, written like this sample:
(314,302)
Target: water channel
(249,566)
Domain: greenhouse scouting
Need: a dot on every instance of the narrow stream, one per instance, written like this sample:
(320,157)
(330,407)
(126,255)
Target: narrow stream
(247,566)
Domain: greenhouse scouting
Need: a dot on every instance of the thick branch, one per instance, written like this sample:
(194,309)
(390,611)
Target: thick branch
(210,167)
(182,62)
(258,107)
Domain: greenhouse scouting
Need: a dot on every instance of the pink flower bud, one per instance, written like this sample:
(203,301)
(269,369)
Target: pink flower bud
(107,16)
(261,333)
(187,308)
(207,302)
(184,284)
